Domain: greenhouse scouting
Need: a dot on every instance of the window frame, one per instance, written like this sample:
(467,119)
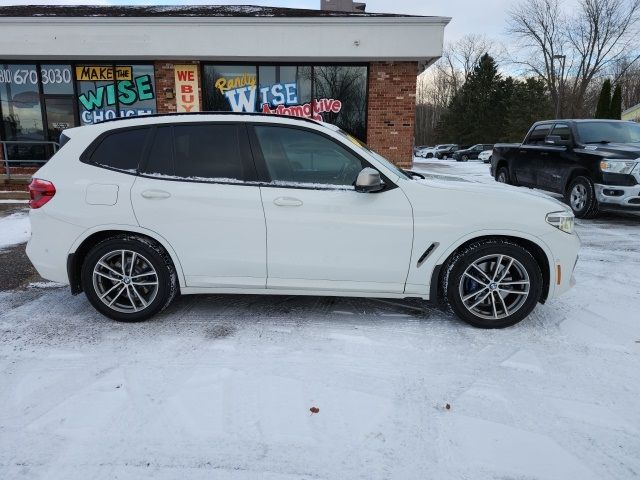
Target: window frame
(248,163)
(263,172)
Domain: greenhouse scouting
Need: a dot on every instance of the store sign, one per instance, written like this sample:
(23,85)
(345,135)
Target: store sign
(93,73)
(100,103)
(280,98)
(186,81)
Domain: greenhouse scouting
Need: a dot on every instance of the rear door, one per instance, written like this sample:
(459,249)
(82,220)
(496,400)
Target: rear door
(197,189)
(556,161)
(321,233)
(528,161)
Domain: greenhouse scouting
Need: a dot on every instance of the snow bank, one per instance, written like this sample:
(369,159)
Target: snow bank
(14,229)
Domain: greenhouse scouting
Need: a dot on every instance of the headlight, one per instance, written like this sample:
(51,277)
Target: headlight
(562,220)
(617,166)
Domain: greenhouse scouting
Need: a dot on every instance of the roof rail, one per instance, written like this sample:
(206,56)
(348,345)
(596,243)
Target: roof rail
(213,112)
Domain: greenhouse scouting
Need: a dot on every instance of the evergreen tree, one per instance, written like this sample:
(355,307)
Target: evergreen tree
(476,112)
(615,111)
(603,110)
(529,103)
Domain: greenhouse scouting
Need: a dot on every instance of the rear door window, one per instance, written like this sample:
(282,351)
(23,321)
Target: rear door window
(203,152)
(539,134)
(121,150)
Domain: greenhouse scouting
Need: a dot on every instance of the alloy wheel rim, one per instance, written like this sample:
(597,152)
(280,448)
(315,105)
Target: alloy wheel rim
(502,178)
(125,281)
(494,287)
(578,197)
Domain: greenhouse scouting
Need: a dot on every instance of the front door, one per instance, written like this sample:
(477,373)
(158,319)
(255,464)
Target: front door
(321,233)
(198,191)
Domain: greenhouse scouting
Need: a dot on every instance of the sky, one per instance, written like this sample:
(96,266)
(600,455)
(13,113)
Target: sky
(469,16)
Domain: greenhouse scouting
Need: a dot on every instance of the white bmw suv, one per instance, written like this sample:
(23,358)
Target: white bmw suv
(136,210)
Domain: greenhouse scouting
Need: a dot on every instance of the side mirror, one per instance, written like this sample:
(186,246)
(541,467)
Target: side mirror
(557,141)
(369,181)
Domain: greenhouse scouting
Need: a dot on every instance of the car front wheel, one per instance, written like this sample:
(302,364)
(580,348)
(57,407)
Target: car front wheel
(581,197)
(493,283)
(129,278)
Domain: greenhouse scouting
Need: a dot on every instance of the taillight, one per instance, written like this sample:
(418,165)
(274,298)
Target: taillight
(40,191)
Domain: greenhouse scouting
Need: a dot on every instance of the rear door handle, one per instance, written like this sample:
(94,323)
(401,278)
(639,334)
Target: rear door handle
(287,202)
(155,194)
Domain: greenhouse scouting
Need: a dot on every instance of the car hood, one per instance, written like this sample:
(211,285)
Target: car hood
(615,150)
(452,193)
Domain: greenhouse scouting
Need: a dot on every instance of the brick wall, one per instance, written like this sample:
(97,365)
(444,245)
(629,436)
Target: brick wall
(391,114)
(165,79)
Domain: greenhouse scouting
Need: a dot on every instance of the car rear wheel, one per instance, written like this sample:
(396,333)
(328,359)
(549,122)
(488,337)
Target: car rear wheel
(493,284)
(502,175)
(129,278)
(581,197)
(465,158)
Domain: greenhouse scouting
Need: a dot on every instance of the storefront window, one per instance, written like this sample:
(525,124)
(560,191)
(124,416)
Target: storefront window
(20,102)
(284,86)
(21,110)
(230,88)
(341,97)
(56,79)
(108,91)
(334,93)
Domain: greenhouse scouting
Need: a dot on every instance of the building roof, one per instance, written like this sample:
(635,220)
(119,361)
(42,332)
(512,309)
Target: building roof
(632,113)
(175,11)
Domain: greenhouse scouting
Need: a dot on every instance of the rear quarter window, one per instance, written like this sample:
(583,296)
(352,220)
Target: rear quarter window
(120,150)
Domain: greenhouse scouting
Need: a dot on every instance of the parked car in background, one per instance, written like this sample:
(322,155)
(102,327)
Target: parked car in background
(419,148)
(485,156)
(431,152)
(444,153)
(137,210)
(471,153)
(595,164)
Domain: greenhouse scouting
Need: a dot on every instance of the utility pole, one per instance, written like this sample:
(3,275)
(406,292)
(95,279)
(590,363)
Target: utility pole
(562,58)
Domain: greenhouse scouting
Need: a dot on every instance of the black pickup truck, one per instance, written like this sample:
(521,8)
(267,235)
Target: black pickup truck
(595,164)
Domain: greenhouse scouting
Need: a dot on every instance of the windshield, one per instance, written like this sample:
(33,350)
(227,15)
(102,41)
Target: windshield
(401,173)
(608,132)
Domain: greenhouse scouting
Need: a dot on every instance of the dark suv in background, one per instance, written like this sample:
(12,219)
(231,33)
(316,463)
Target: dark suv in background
(448,152)
(472,153)
(595,164)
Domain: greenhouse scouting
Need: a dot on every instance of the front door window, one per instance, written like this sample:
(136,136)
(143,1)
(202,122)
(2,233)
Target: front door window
(296,156)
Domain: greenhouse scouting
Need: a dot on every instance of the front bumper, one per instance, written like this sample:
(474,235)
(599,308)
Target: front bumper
(618,196)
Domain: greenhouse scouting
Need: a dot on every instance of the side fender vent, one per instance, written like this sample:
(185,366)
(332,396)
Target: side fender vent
(426,254)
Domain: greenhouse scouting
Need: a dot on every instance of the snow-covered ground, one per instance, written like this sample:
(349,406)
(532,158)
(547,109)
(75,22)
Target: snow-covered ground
(14,229)
(221,387)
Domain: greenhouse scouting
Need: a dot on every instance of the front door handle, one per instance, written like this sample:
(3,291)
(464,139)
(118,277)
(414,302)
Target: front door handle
(287,202)
(155,194)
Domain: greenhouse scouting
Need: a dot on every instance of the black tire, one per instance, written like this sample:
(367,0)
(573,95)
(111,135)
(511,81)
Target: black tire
(488,160)
(457,286)
(502,175)
(145,255)
(581,197)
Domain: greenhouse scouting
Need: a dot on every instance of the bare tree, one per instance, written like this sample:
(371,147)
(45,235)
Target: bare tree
(569,51)
(437,86)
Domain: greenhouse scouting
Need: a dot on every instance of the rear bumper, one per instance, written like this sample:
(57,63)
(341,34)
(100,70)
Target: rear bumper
(618,196)
(49,245)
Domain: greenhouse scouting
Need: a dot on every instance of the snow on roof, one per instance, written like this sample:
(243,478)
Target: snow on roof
(174,11)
